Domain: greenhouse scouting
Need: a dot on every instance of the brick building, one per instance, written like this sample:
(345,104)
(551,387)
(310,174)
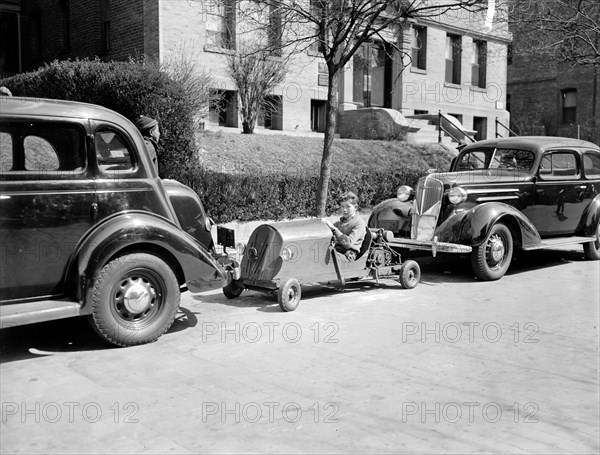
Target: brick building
(451,63)
(550,98)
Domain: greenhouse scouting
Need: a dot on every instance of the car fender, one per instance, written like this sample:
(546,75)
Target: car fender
(137,230)
(394,215)
(590,217)
(475,224)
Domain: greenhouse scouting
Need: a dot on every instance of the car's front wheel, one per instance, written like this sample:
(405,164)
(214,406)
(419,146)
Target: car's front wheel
(592,249)
(135,299)
(491,259)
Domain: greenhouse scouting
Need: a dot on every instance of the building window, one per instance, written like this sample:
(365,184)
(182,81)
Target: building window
(317,12)
(65,12)
(274,28)
(453,58)
(569,106)
(419,48)
(221,25)
(223,108)
(372,67)
(318,110)
(105,25)
(271,115)
(479,64)
(480,125)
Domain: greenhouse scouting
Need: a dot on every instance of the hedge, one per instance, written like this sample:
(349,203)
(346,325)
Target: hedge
(244,197)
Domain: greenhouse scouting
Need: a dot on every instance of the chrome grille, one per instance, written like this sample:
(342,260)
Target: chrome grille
(429,191)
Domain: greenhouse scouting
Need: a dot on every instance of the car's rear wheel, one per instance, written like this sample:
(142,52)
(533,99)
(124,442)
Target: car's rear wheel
(410,274)
(233,289)
(592,249)
(135,299)
(491,259)
(289,295)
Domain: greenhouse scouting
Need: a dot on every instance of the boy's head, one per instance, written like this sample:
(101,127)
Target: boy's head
(349,203)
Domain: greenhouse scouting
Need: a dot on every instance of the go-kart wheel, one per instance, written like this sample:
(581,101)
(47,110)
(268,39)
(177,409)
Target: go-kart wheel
(289,295)
(134,300)
(233,289)
(410,274)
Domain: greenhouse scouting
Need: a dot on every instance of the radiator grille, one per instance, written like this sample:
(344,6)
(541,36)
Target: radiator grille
(429,192)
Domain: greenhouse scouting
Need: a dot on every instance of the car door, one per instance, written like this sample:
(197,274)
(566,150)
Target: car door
(122,180)
(560,194)
(46,203)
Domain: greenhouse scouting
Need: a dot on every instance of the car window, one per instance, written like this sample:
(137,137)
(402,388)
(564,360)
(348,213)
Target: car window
(559,166)
(112,152)
(474,159)
(40,155)
(43,148)
(591,165)
(6,147)
(521,160)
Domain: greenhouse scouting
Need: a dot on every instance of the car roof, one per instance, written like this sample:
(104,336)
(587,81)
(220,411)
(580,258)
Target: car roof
(534,142)
(42,107)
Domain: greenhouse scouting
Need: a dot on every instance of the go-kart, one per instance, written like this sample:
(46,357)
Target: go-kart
(280,257)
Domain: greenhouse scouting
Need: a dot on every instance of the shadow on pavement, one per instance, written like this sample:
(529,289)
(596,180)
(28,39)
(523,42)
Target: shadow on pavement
(49,338)
(66,335)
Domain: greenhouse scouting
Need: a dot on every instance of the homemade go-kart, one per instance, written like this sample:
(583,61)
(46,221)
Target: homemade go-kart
(280,257)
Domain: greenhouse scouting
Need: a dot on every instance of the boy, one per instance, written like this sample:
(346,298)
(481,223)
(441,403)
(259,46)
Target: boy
(350,230)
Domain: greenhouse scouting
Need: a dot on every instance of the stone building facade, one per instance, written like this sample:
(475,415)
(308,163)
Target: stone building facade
(451,63)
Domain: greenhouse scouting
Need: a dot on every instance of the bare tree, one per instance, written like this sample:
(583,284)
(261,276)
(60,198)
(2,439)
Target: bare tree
(565,30)
(338,28)
(256,74)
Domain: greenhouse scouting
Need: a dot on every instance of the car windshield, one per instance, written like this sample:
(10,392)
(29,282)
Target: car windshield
(500,158)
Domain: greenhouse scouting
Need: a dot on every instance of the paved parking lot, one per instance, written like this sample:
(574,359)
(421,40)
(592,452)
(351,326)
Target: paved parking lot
(452,366)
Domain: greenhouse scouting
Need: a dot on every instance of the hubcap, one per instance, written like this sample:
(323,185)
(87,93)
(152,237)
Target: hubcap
(138,295)
(496,249)
(292,294)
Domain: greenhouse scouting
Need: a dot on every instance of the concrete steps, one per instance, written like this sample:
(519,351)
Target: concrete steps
(428,133)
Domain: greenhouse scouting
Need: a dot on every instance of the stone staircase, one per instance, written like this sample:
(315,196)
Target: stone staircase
(428,132)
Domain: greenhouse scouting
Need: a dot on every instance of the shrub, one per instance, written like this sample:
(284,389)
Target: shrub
(276,196)
(130,88)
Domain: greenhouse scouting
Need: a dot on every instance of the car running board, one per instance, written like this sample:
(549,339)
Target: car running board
(559,241)
(42,310)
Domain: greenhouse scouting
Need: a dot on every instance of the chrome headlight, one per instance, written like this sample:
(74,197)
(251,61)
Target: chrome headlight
(404,193)
(457,195)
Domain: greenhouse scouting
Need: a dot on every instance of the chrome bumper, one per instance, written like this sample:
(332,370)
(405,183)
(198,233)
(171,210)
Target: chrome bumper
(430,245)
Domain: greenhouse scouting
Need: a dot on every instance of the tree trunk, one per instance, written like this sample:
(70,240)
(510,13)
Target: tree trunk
(247,128)
(330,124)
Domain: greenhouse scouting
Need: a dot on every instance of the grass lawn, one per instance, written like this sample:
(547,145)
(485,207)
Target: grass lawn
(274,153)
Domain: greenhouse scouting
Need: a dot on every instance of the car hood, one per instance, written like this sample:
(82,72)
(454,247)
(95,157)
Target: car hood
(481,176)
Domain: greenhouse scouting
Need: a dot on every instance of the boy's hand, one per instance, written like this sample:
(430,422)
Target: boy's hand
(328,223)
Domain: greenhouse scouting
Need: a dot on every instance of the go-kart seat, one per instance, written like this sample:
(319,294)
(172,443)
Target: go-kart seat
(364,247)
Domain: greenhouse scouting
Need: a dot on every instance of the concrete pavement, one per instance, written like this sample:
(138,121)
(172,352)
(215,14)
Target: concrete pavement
(452,366)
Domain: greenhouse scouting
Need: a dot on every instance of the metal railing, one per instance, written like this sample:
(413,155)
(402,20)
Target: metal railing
(449,132)
(510,132)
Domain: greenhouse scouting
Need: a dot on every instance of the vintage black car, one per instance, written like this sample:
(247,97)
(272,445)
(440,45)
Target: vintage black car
(88,228)
(500,195)
(280,257)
